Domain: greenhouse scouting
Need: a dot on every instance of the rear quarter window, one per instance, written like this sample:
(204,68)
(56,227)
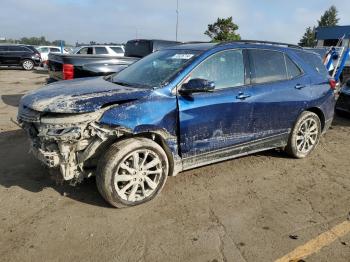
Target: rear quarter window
(117,49)
(57,50)
(293,70)
(315,61)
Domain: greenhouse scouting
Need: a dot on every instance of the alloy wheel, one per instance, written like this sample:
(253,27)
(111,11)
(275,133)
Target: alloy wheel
(138,175)
(307,135)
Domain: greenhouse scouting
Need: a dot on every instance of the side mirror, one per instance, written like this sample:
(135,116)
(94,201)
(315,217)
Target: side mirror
(197,85)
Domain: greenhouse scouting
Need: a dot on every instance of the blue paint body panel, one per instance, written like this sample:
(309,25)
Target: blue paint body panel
(203,122)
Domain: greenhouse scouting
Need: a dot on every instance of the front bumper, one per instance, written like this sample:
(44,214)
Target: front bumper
(68,141)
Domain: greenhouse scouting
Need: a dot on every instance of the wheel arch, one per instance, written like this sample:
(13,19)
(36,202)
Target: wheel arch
(320,115)
(161,140)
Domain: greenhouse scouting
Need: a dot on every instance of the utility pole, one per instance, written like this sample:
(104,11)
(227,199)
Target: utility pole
(177,17)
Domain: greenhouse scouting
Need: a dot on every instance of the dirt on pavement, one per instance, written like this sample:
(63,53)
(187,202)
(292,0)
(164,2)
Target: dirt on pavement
(255,208)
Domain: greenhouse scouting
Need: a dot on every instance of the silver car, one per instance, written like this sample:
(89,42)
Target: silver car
(108,50)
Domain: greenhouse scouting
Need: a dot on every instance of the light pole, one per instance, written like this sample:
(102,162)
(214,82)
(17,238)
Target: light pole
(177,17)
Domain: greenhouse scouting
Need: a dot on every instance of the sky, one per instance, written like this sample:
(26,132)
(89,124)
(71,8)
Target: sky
(122,20)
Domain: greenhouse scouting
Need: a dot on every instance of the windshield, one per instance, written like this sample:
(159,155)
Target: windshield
(155,70)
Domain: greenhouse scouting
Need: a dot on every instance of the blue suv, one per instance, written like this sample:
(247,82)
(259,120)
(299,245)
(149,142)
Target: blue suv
(177,109)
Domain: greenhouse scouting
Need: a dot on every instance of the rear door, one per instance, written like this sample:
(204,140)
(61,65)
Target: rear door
(279,87)
(14,54)
(222,118)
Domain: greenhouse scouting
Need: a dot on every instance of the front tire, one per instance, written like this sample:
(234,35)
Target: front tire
(27,64)
(305,135)
(133,171)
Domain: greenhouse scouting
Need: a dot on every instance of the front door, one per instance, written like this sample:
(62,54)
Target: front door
(219,119)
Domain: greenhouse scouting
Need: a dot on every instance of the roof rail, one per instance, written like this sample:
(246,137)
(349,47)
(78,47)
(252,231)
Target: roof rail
(261,42)
(198,42)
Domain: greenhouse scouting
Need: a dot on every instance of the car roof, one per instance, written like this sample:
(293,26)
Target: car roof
(204,46)
(99,45)
(4,44)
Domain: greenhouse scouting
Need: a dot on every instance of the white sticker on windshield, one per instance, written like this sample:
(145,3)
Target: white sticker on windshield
(182,56)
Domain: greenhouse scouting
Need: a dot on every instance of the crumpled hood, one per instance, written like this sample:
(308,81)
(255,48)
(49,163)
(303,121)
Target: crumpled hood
(80,95)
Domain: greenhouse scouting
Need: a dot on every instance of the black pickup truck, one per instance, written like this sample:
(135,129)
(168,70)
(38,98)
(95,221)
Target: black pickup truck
(70,66)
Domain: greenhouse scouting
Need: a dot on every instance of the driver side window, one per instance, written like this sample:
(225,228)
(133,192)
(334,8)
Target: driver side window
(225,69)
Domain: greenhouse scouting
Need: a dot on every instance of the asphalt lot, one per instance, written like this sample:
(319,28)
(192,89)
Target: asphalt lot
(264,207)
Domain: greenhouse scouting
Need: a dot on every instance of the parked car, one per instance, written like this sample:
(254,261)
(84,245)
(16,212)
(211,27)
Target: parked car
(177,109)
(66,67)
(106,50)
(342,106)
(46,50)
(25,56)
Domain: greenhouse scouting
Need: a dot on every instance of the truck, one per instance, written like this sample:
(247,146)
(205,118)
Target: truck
(71,66)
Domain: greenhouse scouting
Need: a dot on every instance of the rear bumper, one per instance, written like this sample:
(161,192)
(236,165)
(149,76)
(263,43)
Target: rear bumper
(327,125)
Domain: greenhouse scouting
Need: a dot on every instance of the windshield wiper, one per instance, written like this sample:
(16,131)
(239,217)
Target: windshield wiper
(122,83)
(130,84)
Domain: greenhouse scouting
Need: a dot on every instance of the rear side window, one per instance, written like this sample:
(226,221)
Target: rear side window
(315,61)
(101,51)
(3,48)
(292,69)
(18,49)
(267,66)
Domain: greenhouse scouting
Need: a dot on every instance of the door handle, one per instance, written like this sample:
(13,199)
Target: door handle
(299,86)
(242,96)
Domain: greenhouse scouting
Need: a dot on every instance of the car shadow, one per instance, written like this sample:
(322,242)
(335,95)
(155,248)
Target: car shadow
(12,100)
(41,71)
(18,168)
(18,68)
(341,119)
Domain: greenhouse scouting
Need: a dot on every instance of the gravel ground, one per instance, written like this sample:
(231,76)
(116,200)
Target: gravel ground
(255,208)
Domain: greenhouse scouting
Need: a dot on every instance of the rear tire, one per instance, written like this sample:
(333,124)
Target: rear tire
(27,64)
(133,171)
(305,135)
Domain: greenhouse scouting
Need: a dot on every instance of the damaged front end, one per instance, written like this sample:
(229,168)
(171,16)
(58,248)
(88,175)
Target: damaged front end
(68,142)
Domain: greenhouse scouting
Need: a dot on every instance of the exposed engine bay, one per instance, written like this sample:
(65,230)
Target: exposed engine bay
(68,142)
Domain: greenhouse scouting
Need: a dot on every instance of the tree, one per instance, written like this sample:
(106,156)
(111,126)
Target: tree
(223,30)
(308,39)
(329,18)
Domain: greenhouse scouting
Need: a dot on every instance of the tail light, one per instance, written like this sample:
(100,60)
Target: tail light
(68,71)
(332,83)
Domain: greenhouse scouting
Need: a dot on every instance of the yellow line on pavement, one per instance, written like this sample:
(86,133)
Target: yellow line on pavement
(314,245)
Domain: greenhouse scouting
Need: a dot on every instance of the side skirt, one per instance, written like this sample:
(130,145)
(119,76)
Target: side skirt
(236,151)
